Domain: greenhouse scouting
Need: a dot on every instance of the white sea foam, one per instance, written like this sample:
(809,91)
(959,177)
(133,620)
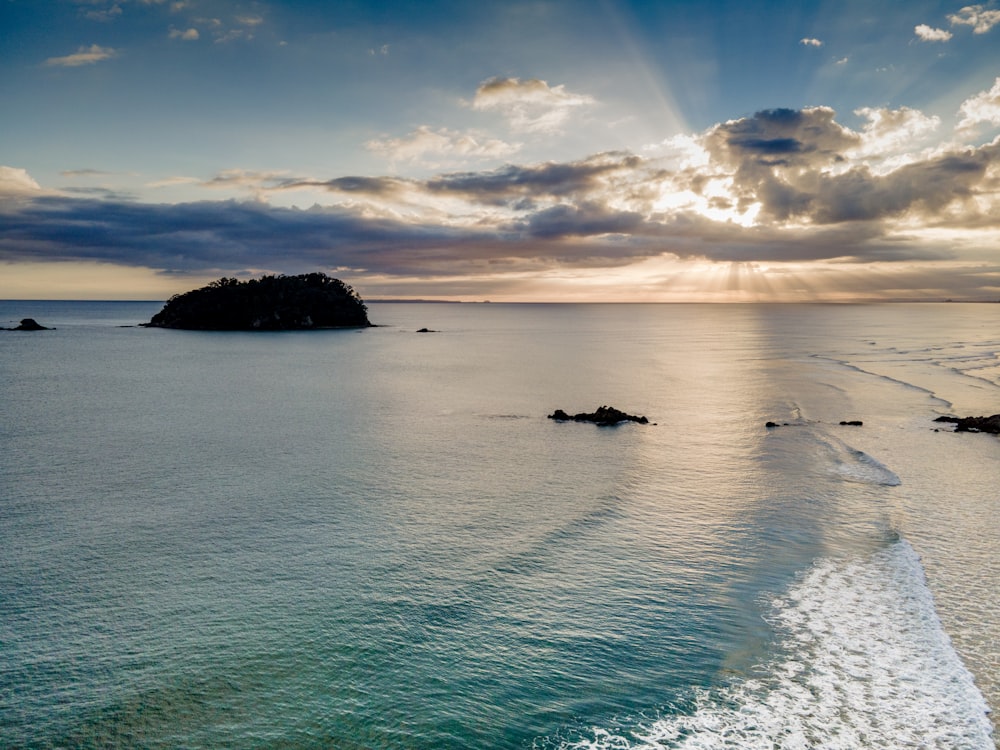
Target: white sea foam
(858,466)
(865,664)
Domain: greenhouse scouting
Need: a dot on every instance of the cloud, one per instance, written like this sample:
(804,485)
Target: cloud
(174,181)
(928,34)
(811,42)
(242,27)
(891,131)
(83,56)
(796,165)
(586,219)
(526,185)
(530,105)
(924,188)
(977,16)
(15,181)
(103,15)
(983,107)
(84,173)
(427,145)
(187,35)
(785,139)
(781,185)
(380,187)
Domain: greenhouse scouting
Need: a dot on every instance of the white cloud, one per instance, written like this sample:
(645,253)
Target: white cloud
(891,131)
(249,20)
(977,16)
(174,181)
(425,142)
(83,56)
(104,14)
(16,181)
(983,107)
(233,35)
(187,35)
(811,42)
(928,34)
(530,105)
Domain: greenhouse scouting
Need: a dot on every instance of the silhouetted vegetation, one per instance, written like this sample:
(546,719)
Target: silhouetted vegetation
(270,303)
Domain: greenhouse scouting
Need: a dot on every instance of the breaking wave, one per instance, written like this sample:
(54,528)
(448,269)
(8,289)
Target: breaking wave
(864,663)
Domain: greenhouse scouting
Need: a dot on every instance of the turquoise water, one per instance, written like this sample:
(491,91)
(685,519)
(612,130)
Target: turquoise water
(376,539)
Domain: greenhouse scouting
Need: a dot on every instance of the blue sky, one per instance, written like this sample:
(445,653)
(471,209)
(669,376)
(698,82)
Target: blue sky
(584,150)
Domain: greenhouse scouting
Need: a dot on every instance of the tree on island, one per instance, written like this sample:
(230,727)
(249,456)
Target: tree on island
(270,303)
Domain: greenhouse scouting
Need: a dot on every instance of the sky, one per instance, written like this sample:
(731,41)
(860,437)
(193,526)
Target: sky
(523,150)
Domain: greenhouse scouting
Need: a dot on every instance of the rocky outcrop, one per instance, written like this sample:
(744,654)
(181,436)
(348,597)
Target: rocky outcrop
(271,303)
(974,424)
(604,416)
(29,324)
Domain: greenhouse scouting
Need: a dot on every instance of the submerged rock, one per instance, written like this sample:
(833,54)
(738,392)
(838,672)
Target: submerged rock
(604,416)
(989,424)
(271,303)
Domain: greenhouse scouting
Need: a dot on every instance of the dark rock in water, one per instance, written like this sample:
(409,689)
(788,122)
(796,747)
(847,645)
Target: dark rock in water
(771,424)
(605,416)
(853,423)
(29,324)
(974,424)
(271,303)
(426,330)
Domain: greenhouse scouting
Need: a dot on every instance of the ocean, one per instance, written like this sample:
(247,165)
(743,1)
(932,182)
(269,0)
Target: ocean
(377,539)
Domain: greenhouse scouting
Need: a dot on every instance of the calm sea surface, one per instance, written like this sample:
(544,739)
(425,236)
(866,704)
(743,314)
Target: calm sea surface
(376,539)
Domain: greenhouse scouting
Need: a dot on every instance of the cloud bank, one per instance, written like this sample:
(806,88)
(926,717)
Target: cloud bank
(781,186)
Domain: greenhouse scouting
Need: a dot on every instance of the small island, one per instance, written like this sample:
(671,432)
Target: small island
(270,303)
(603,416)
(28,324)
